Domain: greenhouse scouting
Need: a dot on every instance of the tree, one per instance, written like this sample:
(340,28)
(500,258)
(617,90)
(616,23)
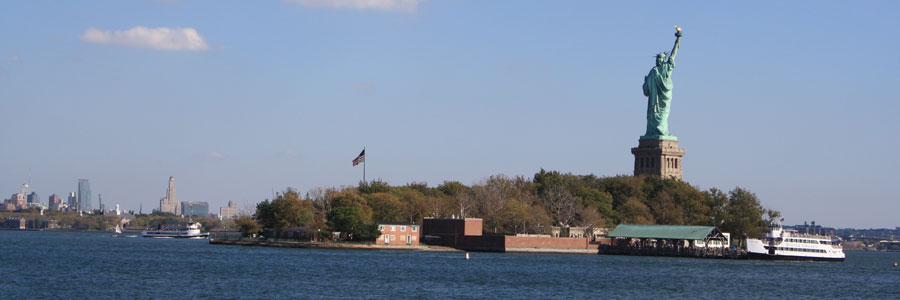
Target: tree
(376,186)
(461,196)
(561,204)
(665,210)
(516,216)
(490,198)
(349,220)
(589,217)
(247,225)
(634,211)
(744,214)
(350,197)
(386,207)
(286,211)
(716,200)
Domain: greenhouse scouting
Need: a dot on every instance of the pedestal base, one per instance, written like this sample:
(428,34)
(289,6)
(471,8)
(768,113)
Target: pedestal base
(660,157)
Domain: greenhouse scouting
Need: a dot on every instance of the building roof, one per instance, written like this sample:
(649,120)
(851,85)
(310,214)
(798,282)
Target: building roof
(397,223)
(674,232)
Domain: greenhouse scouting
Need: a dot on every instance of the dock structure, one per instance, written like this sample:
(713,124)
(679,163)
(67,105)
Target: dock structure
(671,240)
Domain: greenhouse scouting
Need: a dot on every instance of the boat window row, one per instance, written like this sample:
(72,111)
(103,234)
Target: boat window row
(802,241)
(801,249)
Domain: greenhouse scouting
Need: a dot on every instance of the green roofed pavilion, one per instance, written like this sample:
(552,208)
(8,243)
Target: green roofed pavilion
(669,232)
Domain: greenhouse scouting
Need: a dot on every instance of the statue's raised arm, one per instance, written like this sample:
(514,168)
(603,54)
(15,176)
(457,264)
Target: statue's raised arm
(677,41)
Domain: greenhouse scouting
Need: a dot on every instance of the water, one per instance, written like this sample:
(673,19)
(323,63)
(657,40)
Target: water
(75,265)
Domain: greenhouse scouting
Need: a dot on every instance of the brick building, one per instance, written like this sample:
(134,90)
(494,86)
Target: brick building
(398,234)
(449,232)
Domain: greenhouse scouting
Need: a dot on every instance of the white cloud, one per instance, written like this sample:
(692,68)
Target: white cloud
(15,58)
(160,38)
(383,5)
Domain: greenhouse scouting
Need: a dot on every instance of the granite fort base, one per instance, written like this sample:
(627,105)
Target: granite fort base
(658,157)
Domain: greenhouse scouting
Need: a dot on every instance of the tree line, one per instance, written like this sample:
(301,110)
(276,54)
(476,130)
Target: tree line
(510,205)
(101,222)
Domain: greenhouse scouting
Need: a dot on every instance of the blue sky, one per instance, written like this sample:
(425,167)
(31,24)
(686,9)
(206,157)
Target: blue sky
(793,101)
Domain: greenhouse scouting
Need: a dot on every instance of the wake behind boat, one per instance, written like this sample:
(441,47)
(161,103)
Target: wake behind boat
(188,231)
(788,244)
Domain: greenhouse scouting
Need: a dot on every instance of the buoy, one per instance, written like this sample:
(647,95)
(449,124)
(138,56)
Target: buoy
(467,258)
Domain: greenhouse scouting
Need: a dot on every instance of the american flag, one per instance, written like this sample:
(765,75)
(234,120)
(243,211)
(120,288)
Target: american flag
(360,158)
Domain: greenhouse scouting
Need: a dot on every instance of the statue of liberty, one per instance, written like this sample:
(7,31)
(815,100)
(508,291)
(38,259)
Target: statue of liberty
(658,89)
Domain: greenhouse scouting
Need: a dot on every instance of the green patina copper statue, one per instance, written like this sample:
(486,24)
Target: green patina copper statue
(658,89)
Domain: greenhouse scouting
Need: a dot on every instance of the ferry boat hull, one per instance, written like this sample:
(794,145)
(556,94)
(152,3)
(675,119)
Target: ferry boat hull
(763,256)
(153,234)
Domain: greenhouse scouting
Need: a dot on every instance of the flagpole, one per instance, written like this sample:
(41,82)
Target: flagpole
(364,166)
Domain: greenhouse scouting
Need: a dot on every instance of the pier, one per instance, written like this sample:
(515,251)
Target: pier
(671,240)
(730,253)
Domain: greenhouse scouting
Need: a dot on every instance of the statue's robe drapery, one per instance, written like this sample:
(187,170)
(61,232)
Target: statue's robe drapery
(658,89)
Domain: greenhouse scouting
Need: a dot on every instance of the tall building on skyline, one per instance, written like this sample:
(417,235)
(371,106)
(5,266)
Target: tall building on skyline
(84,195)
(195,209)
(73,200)
(54,201)
(229,212)
(33,198)
(170,203)
(18,200)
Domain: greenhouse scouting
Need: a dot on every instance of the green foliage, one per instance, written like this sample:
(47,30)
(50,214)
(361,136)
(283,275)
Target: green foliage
(376,186)
(247,225)
(521,205)
(350,221)
(386,207)
(286,211)
(744,214)
(366,232)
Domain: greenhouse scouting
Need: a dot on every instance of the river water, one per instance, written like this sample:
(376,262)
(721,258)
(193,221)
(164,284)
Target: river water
(80,265)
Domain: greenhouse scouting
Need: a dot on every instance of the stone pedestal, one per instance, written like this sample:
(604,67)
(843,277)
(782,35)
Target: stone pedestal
(658,157)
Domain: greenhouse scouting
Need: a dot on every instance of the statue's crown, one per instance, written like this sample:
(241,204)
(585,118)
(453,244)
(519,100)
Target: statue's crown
(662,54)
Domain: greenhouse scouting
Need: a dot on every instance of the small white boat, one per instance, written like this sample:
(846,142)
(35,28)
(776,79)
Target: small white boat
(118,231)
(185,231)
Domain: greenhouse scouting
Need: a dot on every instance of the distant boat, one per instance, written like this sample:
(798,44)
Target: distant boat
(187,231)
(787,244)
(118,231)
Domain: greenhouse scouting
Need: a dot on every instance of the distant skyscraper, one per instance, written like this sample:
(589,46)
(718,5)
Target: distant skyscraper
(170,203)
(195,209)
(34,198)
(26,189)
(73,201)
(18,199)
(228,212)
(84,195)
(54,201)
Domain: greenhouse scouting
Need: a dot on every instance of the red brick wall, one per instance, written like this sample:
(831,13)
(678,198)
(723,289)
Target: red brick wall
(473,227)
(548,242)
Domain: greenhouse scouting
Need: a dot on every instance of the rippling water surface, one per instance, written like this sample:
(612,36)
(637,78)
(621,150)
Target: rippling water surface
(76,265)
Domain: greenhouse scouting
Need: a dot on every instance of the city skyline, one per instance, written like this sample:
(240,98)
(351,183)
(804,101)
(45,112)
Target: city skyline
(240,100)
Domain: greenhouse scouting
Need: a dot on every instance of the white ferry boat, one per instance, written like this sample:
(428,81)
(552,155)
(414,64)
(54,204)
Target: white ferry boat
(189,231)
(788,244)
